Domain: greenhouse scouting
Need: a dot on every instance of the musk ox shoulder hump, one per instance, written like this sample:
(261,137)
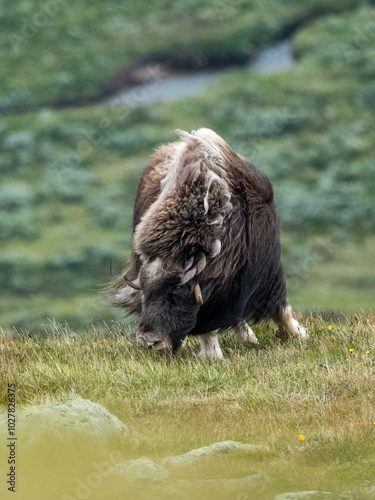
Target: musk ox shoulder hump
(233,163)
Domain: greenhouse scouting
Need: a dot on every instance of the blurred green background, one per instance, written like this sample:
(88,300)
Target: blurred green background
(70,160)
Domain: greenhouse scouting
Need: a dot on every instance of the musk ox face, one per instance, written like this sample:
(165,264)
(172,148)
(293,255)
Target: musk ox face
(169,305)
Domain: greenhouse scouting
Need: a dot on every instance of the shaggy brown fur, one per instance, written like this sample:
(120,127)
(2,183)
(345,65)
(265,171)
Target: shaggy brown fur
(203,214)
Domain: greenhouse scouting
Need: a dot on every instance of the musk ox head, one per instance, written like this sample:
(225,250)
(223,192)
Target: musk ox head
(177,243)
(169,306)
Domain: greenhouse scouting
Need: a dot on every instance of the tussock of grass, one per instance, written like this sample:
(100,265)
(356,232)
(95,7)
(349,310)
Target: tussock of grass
(267,394)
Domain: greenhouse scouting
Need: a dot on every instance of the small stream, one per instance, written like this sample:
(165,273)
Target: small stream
(272,59)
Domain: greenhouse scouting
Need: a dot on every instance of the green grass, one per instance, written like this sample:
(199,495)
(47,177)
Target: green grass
(342,278)
(268,394)
(70,52)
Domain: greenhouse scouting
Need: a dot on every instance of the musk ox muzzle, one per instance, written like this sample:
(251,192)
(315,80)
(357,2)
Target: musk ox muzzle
(155,341)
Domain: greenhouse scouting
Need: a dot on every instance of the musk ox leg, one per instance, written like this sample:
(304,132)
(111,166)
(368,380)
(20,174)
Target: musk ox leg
(242,332)
(288,326)
(210,347)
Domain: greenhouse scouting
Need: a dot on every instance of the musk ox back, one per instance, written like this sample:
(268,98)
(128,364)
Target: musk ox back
(206,248)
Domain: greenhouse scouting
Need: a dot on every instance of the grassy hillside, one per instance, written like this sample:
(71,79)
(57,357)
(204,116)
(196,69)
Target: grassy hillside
(68,177)
(69,52)
(269,394)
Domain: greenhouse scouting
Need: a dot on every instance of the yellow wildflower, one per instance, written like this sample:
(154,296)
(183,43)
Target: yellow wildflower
(351,349)
(302,437)
(331,326)
(367,352)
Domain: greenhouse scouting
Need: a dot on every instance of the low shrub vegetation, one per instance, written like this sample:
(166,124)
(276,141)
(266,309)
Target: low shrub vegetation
(98,40)
(310,129)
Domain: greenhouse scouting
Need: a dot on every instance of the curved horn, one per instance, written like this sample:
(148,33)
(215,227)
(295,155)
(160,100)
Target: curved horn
(202,263)
(189,275)
(131,284)
(198,294)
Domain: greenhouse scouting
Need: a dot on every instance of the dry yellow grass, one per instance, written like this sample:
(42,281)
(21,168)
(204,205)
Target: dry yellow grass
(267,394)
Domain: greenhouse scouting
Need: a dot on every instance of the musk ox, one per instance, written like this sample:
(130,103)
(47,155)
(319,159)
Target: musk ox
(206,249)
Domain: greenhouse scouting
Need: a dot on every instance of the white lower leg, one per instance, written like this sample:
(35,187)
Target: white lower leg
(289,327)
(243,332)
(210,347)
